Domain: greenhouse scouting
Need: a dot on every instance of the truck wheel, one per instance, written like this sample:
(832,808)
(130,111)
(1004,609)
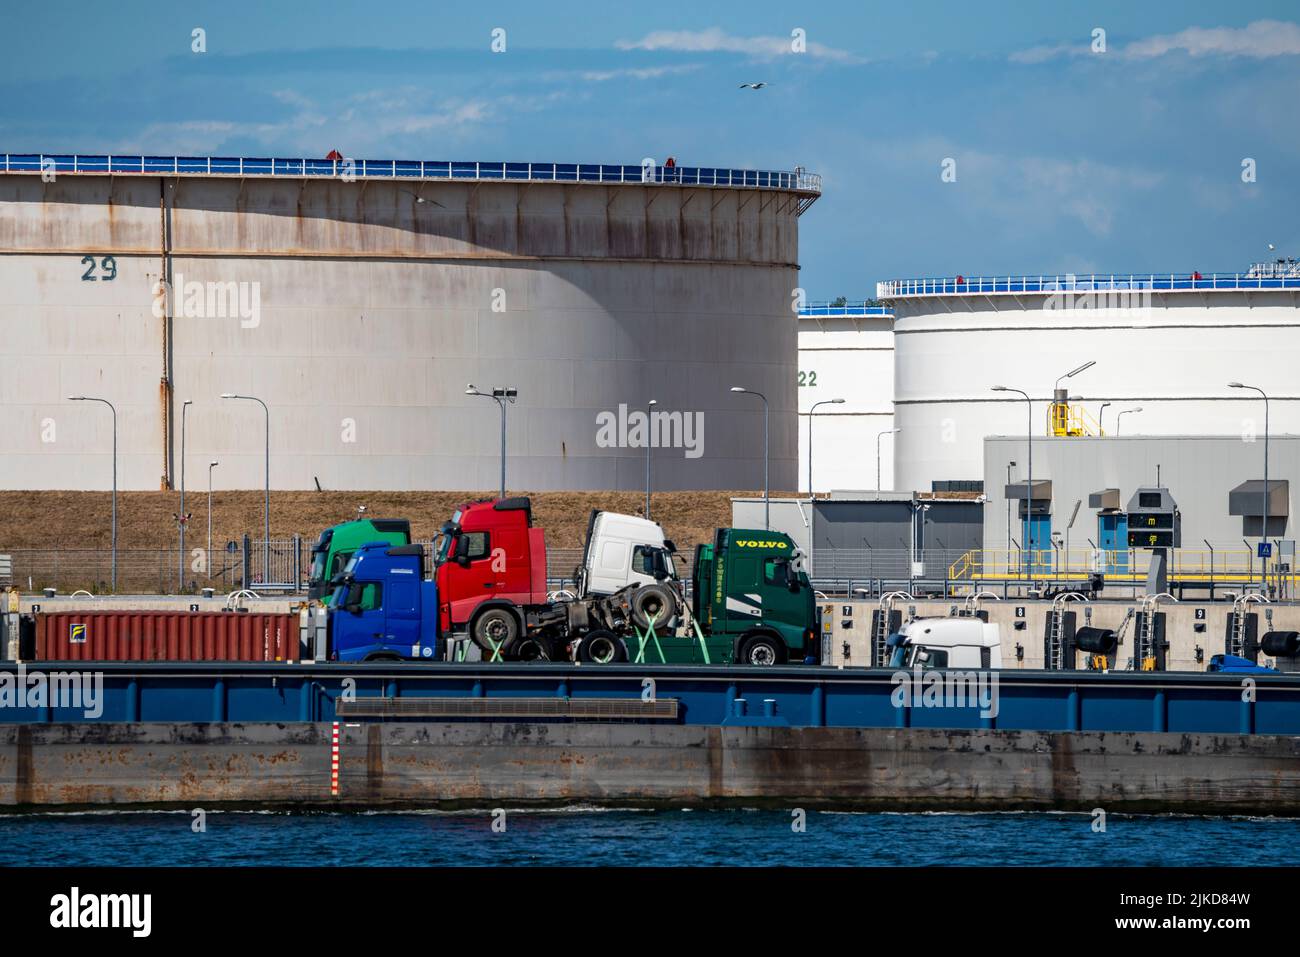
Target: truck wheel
(601,647)
(762,649)
(530,649)
(657,601)
(496,625)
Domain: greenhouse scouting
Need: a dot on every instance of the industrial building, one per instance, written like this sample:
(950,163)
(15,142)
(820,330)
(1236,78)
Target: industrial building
(869,535)
(1083,486)
(357,300)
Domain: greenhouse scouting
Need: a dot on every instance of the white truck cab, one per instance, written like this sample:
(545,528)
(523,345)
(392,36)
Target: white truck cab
(623,550)
(962,642)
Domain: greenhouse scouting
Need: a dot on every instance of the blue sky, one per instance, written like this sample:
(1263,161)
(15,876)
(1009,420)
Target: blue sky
(1066,159)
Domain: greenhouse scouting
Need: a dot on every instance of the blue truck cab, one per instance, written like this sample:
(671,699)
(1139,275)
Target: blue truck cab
(383,609)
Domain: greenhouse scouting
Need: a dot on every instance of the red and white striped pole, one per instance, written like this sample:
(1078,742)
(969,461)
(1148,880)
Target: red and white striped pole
(334,763)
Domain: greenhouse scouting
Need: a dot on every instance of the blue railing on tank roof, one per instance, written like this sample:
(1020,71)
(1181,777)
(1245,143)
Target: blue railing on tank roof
(1096,282)
(797,180)
(814,310)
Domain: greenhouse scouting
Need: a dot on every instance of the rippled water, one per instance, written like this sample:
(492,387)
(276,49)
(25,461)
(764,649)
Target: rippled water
(591,836)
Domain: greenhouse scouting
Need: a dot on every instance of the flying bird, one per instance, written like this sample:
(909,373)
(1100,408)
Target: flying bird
(752,86)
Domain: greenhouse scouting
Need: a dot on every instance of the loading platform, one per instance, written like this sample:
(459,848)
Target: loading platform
(693,695)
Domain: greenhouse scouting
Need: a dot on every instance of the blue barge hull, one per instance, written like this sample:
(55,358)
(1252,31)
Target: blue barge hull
(795,697)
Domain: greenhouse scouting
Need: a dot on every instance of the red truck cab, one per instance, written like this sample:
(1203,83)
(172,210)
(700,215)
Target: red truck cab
(489,556)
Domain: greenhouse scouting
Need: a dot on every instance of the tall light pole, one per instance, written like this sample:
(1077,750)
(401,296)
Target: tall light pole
(879,436)
(180,519)
(649,409)
(1074,372)
(208,558)
(91,398)
(767,502)
(1263,530)
(1120,415)
(1101,418)
(810,418)
(1010,466)
(266,501)
(501,396)
(1029,473)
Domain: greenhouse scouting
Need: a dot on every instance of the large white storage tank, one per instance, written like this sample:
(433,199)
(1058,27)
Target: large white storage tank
(1168,344)
(381,289)
(846,352)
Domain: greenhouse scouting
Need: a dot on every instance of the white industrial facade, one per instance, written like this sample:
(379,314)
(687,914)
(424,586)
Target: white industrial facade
(846,352)
(377,300)
(1199,471)
(1168,345)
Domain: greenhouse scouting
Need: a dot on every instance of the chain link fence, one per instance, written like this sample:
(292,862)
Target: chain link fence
(282,565)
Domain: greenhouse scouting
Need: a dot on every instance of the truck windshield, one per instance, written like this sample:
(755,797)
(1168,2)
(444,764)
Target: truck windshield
(442,541)
(340,595)
(318,557)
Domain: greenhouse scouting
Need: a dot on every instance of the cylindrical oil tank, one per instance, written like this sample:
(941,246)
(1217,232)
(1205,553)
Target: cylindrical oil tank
(1168,344)
(359,307)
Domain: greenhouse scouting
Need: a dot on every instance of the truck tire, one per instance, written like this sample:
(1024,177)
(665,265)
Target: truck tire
(527,649)
(657,601)
(601,647)
(497,625)
(761,649)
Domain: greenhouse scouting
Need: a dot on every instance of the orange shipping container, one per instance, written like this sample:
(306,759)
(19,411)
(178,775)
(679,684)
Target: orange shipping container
(165,636)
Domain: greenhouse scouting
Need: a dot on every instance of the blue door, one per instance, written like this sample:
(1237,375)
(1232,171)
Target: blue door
(402,608)
(1037,530)
(1112,538)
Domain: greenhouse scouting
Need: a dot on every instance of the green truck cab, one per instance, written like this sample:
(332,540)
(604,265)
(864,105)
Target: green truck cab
(337,544)
(753,600)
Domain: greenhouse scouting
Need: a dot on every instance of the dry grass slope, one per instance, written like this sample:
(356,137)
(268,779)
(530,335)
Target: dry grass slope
(45,519)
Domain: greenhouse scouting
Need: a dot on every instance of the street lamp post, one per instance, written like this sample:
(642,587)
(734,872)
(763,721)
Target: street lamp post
(91,398)
(1263,530)
(208,557)
(180,518)
(1010,466)
(1120,415)
(879,436)
(1101,418)
(767,504)
(1029,473)
(649,433)
(810,440)
(501,396)
(266,500)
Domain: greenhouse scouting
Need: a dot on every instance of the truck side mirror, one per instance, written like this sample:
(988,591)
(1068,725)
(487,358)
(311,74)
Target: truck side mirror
(461,554)
(354,607)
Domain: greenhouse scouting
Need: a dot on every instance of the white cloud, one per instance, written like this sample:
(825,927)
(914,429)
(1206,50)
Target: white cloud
(643,73)
(714,40)
(1022,192)
(372,123)
(1261,39)
(1044,53)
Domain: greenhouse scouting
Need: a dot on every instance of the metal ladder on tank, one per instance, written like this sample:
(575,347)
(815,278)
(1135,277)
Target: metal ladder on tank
(1237,624)
(1055,651)
(881,635)
(1056,633)
(1144,644)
